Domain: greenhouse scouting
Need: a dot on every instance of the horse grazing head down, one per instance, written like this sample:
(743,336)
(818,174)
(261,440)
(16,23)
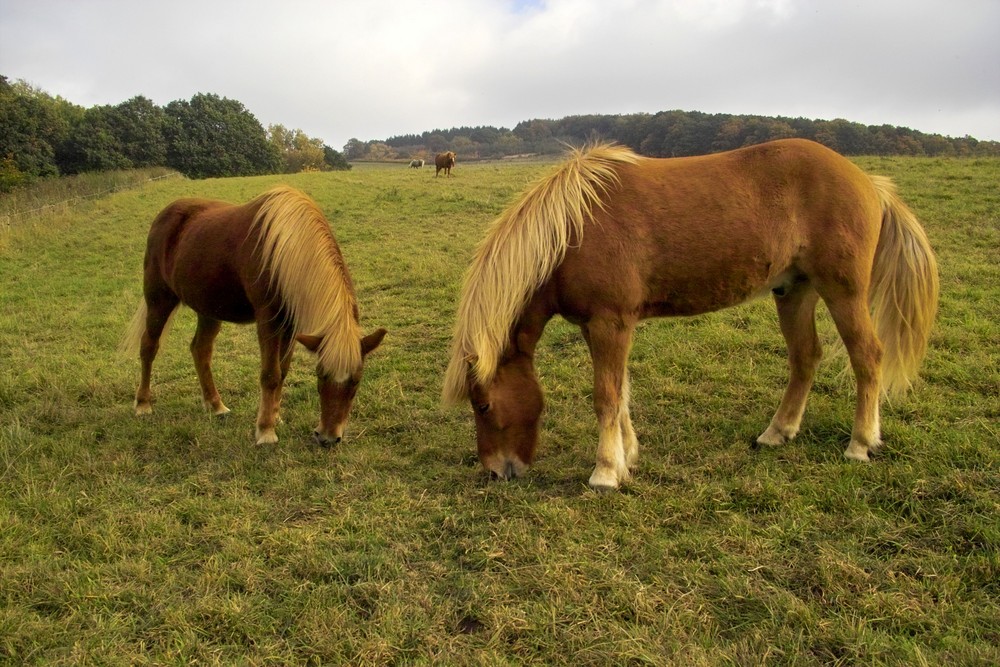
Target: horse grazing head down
(416,164)
(444,161)
(507,411)
(336,396)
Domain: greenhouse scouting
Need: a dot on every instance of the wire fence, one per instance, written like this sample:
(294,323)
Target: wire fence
(11,217)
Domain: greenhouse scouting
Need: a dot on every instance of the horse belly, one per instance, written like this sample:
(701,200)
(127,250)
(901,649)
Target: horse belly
(673,273)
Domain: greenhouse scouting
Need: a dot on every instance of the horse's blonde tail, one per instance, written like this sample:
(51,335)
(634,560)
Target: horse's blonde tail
(904,290)
(130,342)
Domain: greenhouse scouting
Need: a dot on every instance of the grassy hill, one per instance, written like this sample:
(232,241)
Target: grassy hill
(174,539)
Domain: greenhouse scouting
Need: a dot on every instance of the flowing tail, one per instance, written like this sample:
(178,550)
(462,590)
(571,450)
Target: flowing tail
(904,290)
(132,340)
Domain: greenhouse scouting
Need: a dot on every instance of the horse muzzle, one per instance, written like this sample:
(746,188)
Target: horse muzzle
(326,441)
(505,470)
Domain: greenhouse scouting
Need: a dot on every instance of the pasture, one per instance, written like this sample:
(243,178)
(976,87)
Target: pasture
(174,539)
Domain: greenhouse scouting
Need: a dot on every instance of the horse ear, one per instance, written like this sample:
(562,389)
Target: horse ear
(371,341)
(310,342)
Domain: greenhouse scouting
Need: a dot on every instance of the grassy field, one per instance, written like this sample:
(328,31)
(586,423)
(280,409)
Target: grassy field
(175,540)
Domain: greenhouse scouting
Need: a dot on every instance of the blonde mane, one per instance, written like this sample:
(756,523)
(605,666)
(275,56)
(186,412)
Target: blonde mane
(521,250)
(308,271)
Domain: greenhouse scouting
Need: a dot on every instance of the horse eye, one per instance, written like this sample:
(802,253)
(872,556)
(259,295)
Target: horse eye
(483,408)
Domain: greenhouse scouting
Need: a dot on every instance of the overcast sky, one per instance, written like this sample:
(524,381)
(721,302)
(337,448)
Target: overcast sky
(372,69)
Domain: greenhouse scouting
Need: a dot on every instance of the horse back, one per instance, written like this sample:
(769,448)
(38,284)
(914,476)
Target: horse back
(684,236)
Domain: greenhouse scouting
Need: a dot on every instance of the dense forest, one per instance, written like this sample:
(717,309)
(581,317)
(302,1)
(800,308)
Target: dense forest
(667,134)
(210,136)
(42,135)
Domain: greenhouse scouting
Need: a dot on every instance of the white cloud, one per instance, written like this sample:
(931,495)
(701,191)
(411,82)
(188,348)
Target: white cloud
(384,67)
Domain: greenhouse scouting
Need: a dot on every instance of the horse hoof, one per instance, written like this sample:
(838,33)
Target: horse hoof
(221,413)
(143,409)
(267,438)
(603,481)
(857,452)
(772,437)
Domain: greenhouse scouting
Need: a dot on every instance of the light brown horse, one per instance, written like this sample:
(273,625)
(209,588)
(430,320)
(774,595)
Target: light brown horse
(273,261)
(444,161)
(611,238)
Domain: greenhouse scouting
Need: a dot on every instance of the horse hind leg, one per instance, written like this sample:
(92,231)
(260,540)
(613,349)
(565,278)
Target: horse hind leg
(865,352)
(157,315)
(797,318)
(201,349)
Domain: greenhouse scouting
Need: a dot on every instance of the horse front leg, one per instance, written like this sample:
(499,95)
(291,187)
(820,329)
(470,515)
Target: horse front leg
(270,380)
(286,351)
(629,438)
(201,351)
(609,340)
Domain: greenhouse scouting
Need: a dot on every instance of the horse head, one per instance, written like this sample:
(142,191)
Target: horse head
(507,411)
(336,395)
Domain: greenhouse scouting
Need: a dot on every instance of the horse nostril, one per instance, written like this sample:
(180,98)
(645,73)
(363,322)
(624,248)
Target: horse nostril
(325,440)
(509,472)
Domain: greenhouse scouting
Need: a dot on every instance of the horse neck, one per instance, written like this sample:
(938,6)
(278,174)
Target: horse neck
(311,276)
(530,326)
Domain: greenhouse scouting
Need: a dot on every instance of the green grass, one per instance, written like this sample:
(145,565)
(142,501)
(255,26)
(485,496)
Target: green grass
(174,539)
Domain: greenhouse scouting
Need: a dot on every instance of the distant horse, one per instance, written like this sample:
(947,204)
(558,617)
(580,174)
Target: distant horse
(611,238)
(416,164)
(273,261)
(444,161)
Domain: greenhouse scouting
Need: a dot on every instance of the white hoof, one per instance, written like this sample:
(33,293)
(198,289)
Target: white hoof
(267,437)
(603,479)
(857,452)
(772,437)
(143,409)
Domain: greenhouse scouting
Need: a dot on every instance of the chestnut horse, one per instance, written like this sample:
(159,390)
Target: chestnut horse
(611,238)
(273,261)
(444,161)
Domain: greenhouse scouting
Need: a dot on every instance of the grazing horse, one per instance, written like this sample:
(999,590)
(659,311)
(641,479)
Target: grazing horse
(273,261)
(611,238)
(416,164)
(444,161)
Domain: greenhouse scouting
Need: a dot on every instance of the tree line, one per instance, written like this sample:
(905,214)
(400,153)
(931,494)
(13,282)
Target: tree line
(207,136)
(667,134)
(210,136)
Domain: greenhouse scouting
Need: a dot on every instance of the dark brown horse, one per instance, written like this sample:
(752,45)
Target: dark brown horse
(444,161)
(273,261)
(611,238)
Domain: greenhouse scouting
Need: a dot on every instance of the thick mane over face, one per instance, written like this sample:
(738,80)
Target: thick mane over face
(519,253)
(309,272)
